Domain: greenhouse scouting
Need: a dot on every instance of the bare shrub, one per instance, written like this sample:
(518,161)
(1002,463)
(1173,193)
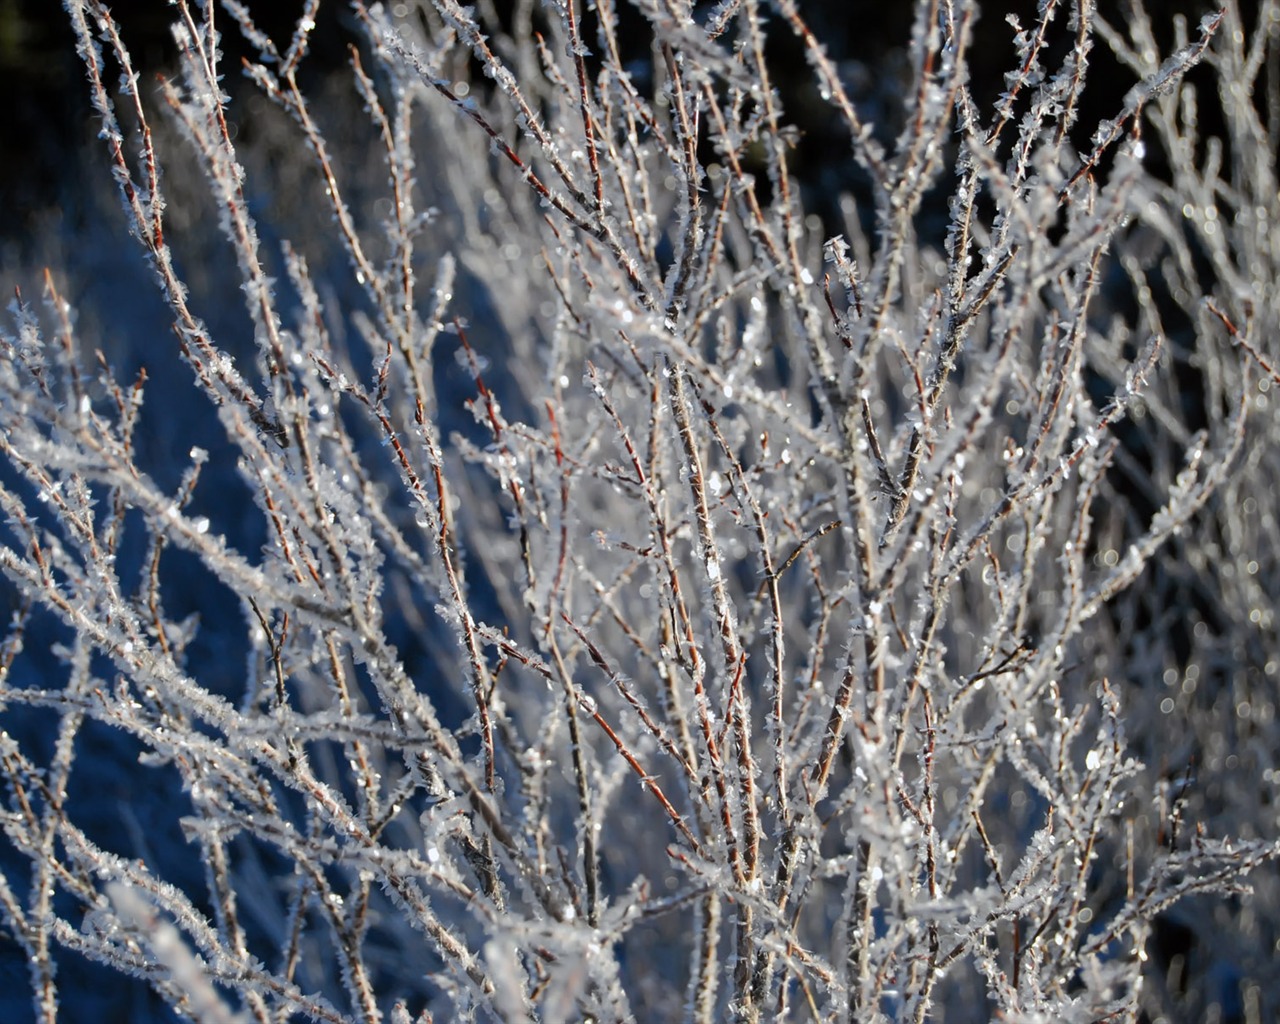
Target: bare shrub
(585,591)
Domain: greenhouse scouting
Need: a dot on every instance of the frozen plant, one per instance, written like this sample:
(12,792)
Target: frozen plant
(576,582)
